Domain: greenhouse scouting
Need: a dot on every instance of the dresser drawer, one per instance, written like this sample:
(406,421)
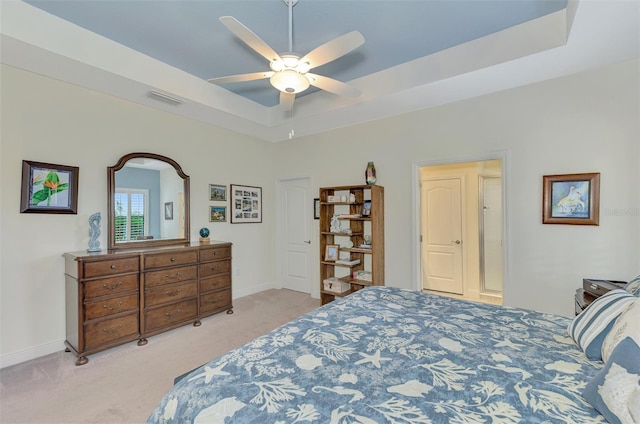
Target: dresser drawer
(106,331)
(217,267)
(215,253)
(111,285)
(170,293)
(110,306)
(215,301)
(170,276)
(215,283)
(164,316)
(110,267)
(162,260)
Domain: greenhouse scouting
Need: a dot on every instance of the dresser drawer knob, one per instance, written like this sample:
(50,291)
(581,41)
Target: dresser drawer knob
(174,276)
(173,259)
(113,308)
(170,315)
(215,253)
(112,330)
(113,286)
(113,266)
(173,293)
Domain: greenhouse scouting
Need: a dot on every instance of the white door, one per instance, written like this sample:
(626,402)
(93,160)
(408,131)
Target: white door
(442,235)
(295,223)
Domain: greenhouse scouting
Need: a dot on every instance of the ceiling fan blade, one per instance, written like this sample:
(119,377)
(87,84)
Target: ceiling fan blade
(333,49)
(250,38)
(242,77)
(286,101)
(332,86)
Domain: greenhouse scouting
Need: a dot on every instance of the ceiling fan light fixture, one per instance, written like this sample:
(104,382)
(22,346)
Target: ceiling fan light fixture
(303,67)
(289,81)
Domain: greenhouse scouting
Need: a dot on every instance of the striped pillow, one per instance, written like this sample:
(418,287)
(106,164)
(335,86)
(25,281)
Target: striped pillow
(590,328)
(634,286)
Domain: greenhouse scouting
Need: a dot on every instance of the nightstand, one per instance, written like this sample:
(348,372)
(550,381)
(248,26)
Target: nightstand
(582,300)
(593,289)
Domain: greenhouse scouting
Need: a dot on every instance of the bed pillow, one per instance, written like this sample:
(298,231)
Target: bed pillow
(633,286)
(626,325)
(614,391)
(590,328)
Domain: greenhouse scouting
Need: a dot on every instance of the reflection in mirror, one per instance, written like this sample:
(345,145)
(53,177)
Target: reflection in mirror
(148,202)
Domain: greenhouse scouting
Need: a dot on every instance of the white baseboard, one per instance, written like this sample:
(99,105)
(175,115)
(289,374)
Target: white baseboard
(253,290)
(13,358)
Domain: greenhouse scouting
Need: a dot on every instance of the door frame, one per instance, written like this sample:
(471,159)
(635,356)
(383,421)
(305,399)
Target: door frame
(280,245)
(416,210)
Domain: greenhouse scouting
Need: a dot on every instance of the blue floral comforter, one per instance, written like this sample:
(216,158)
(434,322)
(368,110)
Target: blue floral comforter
(387,355)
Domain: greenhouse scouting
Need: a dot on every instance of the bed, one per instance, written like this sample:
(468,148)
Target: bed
(388,355)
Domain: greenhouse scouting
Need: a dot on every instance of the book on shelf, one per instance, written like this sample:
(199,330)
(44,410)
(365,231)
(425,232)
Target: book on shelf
(364,246)
(362,275)
(348,261)
(349,215)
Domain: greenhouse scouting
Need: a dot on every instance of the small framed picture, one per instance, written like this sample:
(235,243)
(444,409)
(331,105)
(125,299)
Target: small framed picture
(572,199)
(168,210)
(49,188)
(246,204)
(217,192)
(316,208)
(217,214)
(366,208)
(331,252)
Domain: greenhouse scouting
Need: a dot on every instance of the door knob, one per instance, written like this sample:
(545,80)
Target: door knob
(456,241)
(308,241)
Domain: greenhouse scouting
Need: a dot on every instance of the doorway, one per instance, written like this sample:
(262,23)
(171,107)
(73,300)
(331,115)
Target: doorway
(294,234)
(461,229)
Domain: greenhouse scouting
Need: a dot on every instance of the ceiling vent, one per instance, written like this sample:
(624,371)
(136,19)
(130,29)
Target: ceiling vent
(164,98)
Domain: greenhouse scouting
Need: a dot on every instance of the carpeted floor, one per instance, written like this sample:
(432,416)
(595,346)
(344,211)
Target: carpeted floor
(124,384)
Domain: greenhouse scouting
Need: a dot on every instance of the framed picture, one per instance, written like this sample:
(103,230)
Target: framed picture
(49,188)
(571,199)
(331,252)
(246,204)
(316,208)
(217,214)
(217,192)
(366,208)
(168,210)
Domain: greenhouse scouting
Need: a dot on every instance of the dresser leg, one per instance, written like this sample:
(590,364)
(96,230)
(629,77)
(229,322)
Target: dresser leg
(142,342)
(230,311)
(82,360)
(197,323)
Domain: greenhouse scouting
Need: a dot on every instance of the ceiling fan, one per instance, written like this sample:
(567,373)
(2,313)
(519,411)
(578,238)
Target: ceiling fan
(289,71)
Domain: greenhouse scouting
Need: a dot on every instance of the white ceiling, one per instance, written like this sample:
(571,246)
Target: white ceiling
(417,54)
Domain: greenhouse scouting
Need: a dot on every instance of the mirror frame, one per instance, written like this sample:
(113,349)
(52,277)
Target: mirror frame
(111,178)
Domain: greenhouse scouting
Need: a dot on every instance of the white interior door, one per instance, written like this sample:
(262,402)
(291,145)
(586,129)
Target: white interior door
(296,234)
(442,235)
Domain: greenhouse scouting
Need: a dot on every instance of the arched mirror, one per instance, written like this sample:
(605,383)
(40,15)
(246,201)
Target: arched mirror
(148,202)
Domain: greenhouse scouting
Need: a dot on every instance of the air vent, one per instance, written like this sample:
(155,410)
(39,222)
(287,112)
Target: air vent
(164,98)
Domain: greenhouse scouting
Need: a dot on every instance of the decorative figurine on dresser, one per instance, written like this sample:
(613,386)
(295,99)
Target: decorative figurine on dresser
(148,282)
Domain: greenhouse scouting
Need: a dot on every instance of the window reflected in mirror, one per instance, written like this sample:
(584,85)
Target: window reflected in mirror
(140,186)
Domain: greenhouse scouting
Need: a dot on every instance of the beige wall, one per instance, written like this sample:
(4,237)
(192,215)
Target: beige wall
(587,122)
(583,123)
(49,121)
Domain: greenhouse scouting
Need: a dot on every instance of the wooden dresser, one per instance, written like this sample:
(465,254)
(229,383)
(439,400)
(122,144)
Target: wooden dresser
(117,297)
